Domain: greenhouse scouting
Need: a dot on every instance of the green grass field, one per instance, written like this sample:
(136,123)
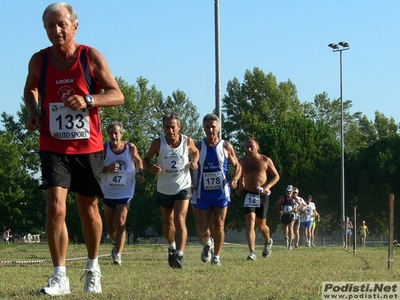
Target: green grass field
(145,273)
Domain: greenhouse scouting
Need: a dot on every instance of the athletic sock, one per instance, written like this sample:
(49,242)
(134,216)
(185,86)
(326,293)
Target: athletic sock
(60,271)
(172,246)
(92,263)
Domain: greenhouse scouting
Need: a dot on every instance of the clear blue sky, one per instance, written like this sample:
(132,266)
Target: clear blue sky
(171,43)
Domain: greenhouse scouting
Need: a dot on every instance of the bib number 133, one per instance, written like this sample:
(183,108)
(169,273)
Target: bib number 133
(66,124)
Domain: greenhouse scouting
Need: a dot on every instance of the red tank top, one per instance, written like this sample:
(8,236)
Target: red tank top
(63,130)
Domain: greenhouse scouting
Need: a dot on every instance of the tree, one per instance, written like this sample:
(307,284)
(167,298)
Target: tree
(329,111)
(258,100)
(373,174)
(187,111)
(21,202)
(139,114)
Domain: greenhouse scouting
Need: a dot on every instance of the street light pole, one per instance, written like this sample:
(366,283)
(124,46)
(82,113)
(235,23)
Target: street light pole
(340,48)
(218,103)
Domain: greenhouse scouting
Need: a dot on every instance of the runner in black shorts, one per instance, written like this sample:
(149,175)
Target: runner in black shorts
(175,154)
(258,176)
(66,86)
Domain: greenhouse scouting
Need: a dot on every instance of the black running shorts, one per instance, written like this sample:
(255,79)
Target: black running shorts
(79,173)
(167,201)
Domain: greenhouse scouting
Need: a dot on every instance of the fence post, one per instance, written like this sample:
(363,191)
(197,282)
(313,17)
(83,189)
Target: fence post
(355,230)
(391,230)
(346,228)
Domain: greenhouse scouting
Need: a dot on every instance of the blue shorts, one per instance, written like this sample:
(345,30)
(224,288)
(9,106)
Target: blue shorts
(349,232)
(206,204)
(306,224)
(114,202)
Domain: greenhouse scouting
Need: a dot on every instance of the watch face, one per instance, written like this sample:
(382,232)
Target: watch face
(89,100)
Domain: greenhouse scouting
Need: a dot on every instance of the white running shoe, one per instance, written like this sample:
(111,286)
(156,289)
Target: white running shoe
(116,257)
(216,261)
(57,286)
(92,281)
(207,252)
(267,248)
(287,241)
(117,260)
(252,256)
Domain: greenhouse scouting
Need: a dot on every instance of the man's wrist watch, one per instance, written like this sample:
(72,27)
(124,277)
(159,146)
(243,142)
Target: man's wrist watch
(89,101)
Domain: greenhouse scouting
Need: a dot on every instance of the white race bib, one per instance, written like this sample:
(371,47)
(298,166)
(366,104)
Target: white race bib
(213,180)
(173,164)
(67,124)
(287,209)
(117,180)
(252,200)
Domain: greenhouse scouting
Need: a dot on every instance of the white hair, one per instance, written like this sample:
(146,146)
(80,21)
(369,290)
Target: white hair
(56,6)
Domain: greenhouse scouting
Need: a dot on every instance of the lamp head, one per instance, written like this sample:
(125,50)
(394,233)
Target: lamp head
(344,44)
(333,46)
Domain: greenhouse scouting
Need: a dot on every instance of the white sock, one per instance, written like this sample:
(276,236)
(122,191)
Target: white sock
(209,242)
(179,252)
(172,246)
(92,263)
(60,270)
